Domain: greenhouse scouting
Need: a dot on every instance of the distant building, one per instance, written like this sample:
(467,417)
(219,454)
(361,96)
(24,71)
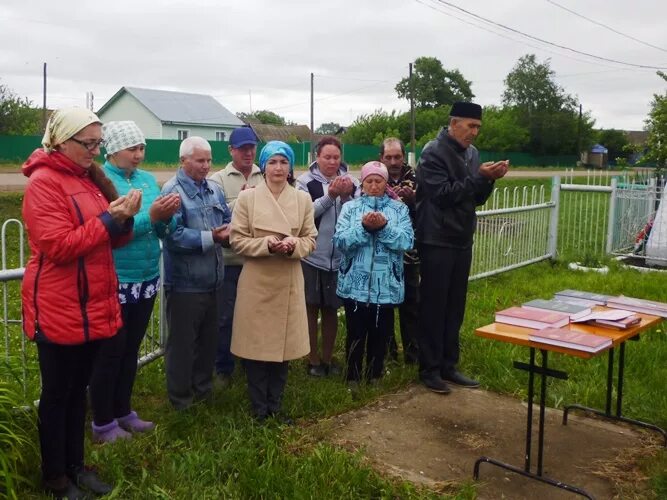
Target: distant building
(163,114)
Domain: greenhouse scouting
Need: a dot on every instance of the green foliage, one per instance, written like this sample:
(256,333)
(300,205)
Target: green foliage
(656,124)
(544,108)
(366,128)
(329,128)
(263,116)
(616,142)
(434,85)
(17,116)
(502,131)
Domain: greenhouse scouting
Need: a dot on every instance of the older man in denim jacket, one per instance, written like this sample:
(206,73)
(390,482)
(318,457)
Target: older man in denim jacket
(193,275)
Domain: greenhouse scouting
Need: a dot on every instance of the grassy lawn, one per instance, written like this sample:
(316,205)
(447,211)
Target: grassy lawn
(217,451)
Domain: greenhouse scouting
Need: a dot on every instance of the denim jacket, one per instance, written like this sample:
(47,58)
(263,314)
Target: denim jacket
(192,260)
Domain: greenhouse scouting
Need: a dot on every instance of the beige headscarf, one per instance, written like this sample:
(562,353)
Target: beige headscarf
(64,124)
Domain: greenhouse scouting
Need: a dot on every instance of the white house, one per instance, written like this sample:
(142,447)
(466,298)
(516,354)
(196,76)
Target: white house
(163,114)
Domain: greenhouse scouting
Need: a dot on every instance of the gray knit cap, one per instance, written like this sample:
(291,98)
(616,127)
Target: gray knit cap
(121,135)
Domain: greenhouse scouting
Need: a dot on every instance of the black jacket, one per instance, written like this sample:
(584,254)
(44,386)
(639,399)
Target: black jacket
(449,187)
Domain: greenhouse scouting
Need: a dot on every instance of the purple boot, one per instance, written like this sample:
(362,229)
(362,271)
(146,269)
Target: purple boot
(109,433)
(132,423)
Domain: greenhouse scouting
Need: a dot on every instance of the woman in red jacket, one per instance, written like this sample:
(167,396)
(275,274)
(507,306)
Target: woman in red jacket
(73,217)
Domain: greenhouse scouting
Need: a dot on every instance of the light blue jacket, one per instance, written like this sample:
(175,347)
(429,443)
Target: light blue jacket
(192,260)
(371,269)
(139,260)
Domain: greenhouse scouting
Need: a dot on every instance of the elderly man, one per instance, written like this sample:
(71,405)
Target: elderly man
(402,180)
(194,270)
(239,174)
(450,184)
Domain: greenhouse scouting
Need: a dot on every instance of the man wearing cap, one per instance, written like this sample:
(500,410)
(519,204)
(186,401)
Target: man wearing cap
(450,184)
(239,174)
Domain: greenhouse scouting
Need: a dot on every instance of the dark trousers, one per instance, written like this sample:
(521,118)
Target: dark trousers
(266,385)
(444,284)
(65,372)
(191,345)
(116,365)
(368,329)
(224,362)
(408,316)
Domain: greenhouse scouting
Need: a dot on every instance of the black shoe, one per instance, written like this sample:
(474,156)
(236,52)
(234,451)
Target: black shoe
(62,488)
(332,369)
(458,378)
(436,384)
(87,478)
(317,370)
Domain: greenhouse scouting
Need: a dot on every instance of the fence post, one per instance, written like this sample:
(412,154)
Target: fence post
(612,215)
(553,222)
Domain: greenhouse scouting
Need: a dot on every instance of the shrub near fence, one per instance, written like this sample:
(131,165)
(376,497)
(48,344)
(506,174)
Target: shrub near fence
(15,149)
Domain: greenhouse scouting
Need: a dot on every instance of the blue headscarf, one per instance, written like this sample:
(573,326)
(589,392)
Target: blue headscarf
(273,148)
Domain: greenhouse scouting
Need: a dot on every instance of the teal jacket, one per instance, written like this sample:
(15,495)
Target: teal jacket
(371,270)
(139,260)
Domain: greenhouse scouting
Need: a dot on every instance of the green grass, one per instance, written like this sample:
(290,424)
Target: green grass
(216,450)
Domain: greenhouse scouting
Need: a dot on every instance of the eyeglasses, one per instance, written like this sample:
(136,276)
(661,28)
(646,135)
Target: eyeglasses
(90,145)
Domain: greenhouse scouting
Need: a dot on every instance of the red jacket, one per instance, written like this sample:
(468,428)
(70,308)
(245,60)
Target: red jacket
(70,289)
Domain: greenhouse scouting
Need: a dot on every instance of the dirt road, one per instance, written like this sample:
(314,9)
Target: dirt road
(15,181)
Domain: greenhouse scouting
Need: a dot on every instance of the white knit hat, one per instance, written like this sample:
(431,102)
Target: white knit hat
(121,135)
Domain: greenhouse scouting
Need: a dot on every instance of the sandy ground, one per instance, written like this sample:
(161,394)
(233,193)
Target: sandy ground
(16,181)
(435,440)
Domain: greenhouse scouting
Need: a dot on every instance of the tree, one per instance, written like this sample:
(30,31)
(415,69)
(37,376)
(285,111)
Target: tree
(367,128)
(17,116)
(544,108)
(502,131)
(656,125)
(263,116)
(434,85)
(329,128)
(615,141)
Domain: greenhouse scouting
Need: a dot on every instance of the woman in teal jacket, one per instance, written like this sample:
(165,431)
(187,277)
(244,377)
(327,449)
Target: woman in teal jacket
(372,233)
(137,266)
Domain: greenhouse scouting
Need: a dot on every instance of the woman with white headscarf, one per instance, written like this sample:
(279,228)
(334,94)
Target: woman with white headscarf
(74,217)
(138,268)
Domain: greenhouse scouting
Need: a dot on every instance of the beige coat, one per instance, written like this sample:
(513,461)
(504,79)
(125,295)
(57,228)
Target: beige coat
(270,322)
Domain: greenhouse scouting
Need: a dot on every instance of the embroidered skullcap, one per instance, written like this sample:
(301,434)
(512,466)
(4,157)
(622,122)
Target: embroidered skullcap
(64,124)
(273,148)
(121,135)
(466,110)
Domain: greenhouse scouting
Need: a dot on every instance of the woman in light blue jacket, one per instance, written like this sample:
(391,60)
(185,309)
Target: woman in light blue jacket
(137,266)
(372,233)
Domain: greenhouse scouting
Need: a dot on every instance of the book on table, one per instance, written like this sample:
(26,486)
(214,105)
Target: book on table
(621,324)
(582,298)
(611,318)
(575,311)
(579,341)
(639,305)
(532,318)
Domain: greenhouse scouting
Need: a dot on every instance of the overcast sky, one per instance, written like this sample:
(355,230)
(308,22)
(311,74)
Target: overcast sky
(258,54)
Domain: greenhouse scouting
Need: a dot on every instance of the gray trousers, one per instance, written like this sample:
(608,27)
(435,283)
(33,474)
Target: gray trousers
(191,346)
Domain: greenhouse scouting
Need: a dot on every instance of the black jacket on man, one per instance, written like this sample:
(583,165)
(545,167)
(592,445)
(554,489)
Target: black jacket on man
(449,187)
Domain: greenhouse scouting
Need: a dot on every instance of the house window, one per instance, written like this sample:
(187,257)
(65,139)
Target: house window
(183,134)
(220,136)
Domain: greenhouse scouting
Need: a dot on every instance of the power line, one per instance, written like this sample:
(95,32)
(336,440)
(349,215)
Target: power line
(541,40)
(605,26)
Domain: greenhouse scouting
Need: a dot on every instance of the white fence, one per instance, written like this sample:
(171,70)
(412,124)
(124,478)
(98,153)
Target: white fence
(516,227)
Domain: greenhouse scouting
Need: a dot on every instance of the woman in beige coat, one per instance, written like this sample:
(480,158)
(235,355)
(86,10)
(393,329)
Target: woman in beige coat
(273,229)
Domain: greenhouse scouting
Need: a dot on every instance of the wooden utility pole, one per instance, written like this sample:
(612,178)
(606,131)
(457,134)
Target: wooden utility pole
(312,117)
(413,141)
(44,101)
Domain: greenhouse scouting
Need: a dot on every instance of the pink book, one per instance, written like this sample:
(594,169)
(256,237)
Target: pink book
(579,341)
(532,318)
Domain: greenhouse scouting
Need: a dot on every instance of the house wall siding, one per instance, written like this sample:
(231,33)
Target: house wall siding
(126,107)
(208,133)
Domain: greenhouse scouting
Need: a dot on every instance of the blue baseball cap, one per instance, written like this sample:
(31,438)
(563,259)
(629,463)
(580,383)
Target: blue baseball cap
(242,136)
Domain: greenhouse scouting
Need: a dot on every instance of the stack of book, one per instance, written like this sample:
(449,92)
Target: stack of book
(529,318)
(582,298)
(578,341)
(638,305)
(575,311)
(612,318)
